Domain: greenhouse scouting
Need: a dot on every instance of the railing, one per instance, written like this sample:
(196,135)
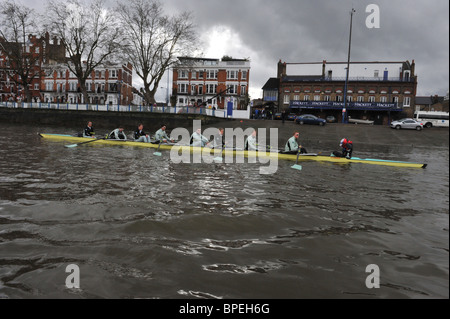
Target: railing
(179,110)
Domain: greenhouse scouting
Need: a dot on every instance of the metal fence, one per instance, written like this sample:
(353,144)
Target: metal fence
(118,108)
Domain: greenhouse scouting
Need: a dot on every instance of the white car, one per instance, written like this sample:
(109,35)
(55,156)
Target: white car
(407,124)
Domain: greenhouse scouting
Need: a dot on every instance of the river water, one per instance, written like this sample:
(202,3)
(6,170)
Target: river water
(139,226)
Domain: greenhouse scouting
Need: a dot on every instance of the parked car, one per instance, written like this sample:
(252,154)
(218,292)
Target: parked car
(277,116)
(408,124)
(331,119)
(291,117)
(310,119)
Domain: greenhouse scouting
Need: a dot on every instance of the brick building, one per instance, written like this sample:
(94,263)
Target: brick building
(38,52)
(106,85)
(378,96)
(53,82)
(212,82)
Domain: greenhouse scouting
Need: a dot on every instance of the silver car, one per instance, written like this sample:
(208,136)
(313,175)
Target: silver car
(408,124)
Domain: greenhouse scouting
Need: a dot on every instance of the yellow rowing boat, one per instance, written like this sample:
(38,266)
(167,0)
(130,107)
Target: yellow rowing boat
(280,156)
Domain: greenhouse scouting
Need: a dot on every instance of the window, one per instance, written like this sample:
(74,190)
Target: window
(383,99)
(211,89)
(232,75)
(349,98)
(306,98)
(243,90)
(49,86)
(200,89)
(339,98)
(407,102)
(194,75)
(296,97)
(113,73)
(36,86)
(183,74)
(200,75)
(395,99)
(286,99)
(372,99)
(73,86)
(211,74)
(317,98)
(244,75)
(36,49)
(232,89)
(182,88)
(360,98)
(193,91)
(327,98)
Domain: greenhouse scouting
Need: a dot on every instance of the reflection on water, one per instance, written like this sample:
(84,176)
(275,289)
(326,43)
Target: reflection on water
(140,226)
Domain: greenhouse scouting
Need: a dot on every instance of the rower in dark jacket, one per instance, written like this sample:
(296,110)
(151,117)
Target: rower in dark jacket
(89,131)
(141,136)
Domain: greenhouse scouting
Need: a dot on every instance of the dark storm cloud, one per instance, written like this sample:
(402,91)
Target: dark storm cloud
(304,31)
(307,30)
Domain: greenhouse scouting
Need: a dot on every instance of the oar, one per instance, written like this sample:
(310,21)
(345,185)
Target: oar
(220,159)
(296,166)
(158,153)
(75,145)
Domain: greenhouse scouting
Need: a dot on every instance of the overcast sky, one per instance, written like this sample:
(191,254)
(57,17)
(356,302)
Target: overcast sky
(314,30)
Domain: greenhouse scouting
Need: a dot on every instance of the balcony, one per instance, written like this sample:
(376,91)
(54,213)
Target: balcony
(362,106)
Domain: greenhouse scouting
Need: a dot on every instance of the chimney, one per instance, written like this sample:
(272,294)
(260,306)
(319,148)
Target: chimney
(413,68)
(330,74)
(323,68)
(281,69)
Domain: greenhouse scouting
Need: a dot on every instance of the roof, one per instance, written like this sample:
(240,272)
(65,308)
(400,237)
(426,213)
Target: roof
(300,78)
(272,84)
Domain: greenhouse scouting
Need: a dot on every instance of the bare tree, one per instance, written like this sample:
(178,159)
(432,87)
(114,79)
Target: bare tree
(154,40)
(89,32)
(15,29)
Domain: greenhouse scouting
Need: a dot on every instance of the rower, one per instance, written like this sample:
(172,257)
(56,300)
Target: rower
(140,136)
(89,131)
(251,142)
(219,140)
(118,134)
(292,146)
(347,149)
(161,135)
(198,140)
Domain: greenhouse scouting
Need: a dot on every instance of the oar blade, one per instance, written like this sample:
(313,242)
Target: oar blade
(297,167)
(218,159)
(157,154)
(71,146)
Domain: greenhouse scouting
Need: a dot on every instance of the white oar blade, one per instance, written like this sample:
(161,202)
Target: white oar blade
(71,146)
(157,154)
(297,167)
(218,159)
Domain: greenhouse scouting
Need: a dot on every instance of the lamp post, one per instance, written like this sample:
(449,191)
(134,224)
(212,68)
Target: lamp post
(344,110)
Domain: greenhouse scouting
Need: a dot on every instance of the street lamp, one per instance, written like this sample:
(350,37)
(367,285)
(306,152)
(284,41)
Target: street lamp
(344,110)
